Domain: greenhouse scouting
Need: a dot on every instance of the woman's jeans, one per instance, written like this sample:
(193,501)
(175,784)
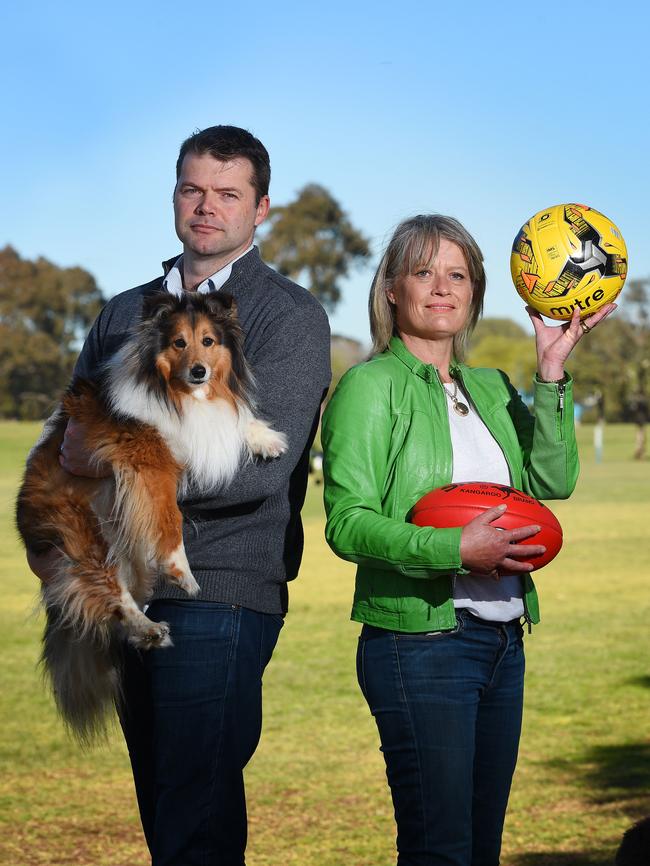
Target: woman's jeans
(192,717)
(448,706)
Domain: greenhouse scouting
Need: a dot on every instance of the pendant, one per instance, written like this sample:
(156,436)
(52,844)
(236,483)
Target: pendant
(461,408)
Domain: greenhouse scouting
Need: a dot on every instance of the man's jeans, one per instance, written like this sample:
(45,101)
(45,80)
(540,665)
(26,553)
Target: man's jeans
(192,719)
(448,706)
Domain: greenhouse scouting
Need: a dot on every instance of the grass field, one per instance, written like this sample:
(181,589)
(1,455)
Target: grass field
(316,786)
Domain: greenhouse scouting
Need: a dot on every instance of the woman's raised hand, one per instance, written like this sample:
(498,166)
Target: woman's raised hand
(554,343)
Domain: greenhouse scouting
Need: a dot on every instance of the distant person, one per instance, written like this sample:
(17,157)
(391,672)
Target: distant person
(634,849)
(193,712)
(440,658)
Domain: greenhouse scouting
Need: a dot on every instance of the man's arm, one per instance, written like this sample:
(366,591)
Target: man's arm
(108,332)
(74,456)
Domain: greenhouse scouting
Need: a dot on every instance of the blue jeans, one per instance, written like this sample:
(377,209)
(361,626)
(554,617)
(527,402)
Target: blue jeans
(192,718)
(448,706)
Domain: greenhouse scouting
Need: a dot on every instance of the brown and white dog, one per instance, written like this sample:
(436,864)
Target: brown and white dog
(171,411)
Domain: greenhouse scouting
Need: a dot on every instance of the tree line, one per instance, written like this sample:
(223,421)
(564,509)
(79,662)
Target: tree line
(45,311)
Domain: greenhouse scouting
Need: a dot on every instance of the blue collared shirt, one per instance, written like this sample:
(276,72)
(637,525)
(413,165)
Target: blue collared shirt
(173,282)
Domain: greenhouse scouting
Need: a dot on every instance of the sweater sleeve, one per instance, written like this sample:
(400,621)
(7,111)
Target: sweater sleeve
(109,331)
(292,373)
(91,357)
(358,441)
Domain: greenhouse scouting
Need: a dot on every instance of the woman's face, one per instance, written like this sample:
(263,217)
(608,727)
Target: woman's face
(434,303)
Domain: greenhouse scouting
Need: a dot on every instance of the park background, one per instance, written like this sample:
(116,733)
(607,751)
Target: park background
(487,112)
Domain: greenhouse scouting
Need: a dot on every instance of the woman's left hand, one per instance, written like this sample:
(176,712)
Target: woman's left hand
(555,343)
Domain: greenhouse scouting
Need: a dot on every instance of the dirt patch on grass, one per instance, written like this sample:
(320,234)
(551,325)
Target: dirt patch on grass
(73,843)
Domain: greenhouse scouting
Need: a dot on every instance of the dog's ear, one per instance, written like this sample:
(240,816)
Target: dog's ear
(221,305)
(158,306)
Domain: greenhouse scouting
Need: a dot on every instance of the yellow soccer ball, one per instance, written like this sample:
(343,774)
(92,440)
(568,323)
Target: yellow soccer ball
(568,256)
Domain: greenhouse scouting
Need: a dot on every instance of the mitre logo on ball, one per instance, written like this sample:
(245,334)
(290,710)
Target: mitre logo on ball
(568,256)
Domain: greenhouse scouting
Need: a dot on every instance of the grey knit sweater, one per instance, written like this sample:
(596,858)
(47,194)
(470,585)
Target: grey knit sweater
(245,543)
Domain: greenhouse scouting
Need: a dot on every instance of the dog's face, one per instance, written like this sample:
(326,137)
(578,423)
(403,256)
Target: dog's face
(195,343)
(195,351)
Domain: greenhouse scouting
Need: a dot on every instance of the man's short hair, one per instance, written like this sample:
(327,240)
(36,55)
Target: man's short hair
(229,142)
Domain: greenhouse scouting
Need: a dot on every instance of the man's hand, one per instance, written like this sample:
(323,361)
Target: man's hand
(486,549)
(76,458)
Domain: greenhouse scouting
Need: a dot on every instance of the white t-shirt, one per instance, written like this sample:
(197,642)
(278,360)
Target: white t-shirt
(478,457)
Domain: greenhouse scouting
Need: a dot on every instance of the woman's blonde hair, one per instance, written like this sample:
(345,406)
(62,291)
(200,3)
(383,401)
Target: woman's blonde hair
(414,246)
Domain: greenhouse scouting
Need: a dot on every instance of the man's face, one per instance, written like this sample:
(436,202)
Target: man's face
(215,209)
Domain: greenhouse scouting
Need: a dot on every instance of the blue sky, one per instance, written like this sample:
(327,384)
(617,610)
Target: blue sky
(487,112)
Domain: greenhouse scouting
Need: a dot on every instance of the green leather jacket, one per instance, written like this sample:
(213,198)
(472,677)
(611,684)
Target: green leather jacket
(386,441)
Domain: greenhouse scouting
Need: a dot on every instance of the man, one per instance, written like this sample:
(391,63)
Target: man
(192,712)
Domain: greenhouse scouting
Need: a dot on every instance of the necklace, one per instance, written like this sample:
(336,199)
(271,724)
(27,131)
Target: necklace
(460,408)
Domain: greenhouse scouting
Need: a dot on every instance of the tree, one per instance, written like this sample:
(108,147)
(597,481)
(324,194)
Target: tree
(615,362)
(345,353)
(312,240)
(504,344)
(45,311)
(637,310)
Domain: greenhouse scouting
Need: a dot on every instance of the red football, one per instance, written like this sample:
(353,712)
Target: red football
(457,504)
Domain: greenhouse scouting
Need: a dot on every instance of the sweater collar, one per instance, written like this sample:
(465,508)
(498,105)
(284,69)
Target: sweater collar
(243,264)
(428,372)
(173,281)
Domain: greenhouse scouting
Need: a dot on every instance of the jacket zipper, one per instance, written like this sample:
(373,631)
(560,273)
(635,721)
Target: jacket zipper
(442,389)
(527,617)
(561,388)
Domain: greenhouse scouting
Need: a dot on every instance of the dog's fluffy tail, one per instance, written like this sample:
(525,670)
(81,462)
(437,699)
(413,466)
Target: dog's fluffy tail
(84,672)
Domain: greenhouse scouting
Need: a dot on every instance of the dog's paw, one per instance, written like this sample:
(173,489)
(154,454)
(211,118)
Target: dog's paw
(153,635)
(265,441)
(189,584)
(177,568)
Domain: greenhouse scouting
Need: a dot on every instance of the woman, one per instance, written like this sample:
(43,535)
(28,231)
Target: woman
(440,659)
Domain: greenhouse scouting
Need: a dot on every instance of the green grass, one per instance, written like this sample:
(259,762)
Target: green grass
(316,786)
